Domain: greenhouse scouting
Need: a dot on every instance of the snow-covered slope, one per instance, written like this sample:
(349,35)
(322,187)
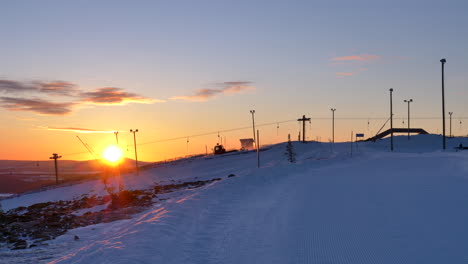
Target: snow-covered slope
(374,207)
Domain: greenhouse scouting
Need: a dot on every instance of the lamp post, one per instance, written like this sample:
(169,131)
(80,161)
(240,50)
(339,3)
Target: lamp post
(443,61)
(333,124)
(391,119)
(134,143)
(408,101)
(253,125)
(450,133)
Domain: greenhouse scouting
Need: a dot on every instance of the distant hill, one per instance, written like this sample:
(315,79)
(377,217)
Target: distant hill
(65,166)
(17,176)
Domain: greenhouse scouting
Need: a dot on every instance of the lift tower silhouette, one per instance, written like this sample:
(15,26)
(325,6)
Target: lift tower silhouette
(303,119)
(55,156)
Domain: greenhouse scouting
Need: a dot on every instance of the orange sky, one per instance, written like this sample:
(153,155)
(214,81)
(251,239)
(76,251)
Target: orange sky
(174,71)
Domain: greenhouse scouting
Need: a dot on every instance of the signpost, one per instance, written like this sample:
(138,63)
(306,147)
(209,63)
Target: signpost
(358,135)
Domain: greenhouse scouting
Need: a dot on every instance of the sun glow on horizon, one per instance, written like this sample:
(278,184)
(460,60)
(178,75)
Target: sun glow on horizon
(112,154)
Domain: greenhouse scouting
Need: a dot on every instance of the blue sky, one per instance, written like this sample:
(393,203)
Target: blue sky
(295,56)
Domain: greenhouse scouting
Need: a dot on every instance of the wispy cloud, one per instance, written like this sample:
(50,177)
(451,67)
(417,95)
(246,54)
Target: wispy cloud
(24,118)
(9,86)
(350,73)
(352,65)
(76,129)
(38,90)
(36,105)
(228,88)
(200,95)
(58,88)
(54,88)
(114,96)
(343,74)
(362,58)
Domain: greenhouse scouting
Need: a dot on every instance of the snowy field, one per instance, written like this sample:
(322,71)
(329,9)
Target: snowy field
(410,206)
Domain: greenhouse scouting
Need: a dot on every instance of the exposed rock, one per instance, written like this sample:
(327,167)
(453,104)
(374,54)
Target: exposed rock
(20,244)
(45,221)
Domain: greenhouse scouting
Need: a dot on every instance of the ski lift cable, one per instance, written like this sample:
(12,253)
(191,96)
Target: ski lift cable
(213,133)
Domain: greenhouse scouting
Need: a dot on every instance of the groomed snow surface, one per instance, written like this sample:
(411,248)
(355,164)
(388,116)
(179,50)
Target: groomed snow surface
(409,206)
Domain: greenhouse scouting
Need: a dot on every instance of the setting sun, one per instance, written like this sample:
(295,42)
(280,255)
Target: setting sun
(112,154)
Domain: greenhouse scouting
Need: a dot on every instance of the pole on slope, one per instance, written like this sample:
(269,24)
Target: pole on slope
(450,131)
(333,124)
(116,137)
(55,156)
(136,156)
(303,120)
(391,119)
(408,101)
(253,125)
(355,140)
(443,61)
(258,149)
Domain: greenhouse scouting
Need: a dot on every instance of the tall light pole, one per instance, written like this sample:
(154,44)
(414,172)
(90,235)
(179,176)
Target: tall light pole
(450,114)
(134,143)
(333,124)
(443,61)
(408,101)
(253,125)
(391,119)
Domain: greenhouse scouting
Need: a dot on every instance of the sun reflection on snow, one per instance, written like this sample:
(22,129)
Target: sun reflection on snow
(152,216)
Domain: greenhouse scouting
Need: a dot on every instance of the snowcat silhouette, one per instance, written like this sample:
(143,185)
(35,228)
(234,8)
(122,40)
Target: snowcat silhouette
(219,149)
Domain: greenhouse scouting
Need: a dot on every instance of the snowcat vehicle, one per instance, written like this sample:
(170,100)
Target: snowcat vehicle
(219,149)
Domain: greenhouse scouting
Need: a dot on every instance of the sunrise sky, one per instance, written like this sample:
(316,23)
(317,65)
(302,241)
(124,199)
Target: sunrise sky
(175,69)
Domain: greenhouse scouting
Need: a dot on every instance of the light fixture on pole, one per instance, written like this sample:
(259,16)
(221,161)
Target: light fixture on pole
(443,61)
(333,124)
(450,131)
(253,125)
(134,143)
(408,101)
(391,119)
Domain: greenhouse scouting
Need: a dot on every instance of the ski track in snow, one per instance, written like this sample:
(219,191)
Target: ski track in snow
(377,207)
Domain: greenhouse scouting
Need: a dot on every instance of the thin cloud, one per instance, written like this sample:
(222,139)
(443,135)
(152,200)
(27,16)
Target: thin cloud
(54,88)
(362,58)
(114,96)
(24,118)
(76,129)
(200,95)
(57,88)
(36,105)
(228,88)
(344,74)
(39,90)
(9,86)
(236,87)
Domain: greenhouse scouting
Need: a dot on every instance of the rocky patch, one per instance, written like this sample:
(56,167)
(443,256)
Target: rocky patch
(26,227)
